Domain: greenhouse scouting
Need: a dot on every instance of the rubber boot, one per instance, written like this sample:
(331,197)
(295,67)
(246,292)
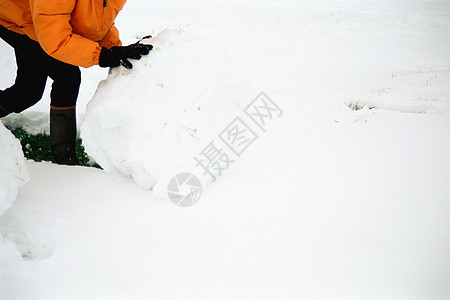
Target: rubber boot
(63,135)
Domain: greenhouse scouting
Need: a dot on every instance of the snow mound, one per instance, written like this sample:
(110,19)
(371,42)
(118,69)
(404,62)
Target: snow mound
(13,170)
(149,122)
(33,122)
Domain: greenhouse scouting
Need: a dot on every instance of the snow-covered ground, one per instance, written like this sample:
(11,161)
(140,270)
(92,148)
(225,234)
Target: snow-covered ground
(327,203)
(13,170)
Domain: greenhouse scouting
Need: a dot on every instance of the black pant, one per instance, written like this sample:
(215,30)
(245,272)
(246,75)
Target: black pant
(33,67)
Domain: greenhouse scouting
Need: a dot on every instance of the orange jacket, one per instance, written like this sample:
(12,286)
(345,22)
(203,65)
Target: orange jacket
(72,31)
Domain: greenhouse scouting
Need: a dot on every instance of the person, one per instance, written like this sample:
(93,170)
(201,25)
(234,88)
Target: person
(54,39)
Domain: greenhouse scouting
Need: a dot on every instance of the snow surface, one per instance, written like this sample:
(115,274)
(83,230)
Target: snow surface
(13,171)
(328,203)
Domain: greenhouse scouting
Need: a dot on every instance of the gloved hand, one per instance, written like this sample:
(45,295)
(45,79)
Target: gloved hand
(119,55)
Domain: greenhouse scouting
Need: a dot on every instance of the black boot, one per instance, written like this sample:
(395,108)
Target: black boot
(63,135)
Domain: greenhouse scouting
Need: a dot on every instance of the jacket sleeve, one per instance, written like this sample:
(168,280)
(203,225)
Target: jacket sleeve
(111,38)
(54,33)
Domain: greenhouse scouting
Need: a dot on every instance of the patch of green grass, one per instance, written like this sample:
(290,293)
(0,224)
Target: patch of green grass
(37,147)
(356,106)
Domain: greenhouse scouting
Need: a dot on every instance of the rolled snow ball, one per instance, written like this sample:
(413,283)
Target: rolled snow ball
(149,121)
(13,170)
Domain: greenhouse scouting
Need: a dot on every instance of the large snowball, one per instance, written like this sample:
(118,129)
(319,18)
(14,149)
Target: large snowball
(150,121)
(13,170)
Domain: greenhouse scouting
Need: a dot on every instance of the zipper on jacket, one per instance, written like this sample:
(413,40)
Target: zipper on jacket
(104,3)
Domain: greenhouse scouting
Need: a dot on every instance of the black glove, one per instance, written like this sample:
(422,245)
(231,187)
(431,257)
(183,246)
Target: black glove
(119,55)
